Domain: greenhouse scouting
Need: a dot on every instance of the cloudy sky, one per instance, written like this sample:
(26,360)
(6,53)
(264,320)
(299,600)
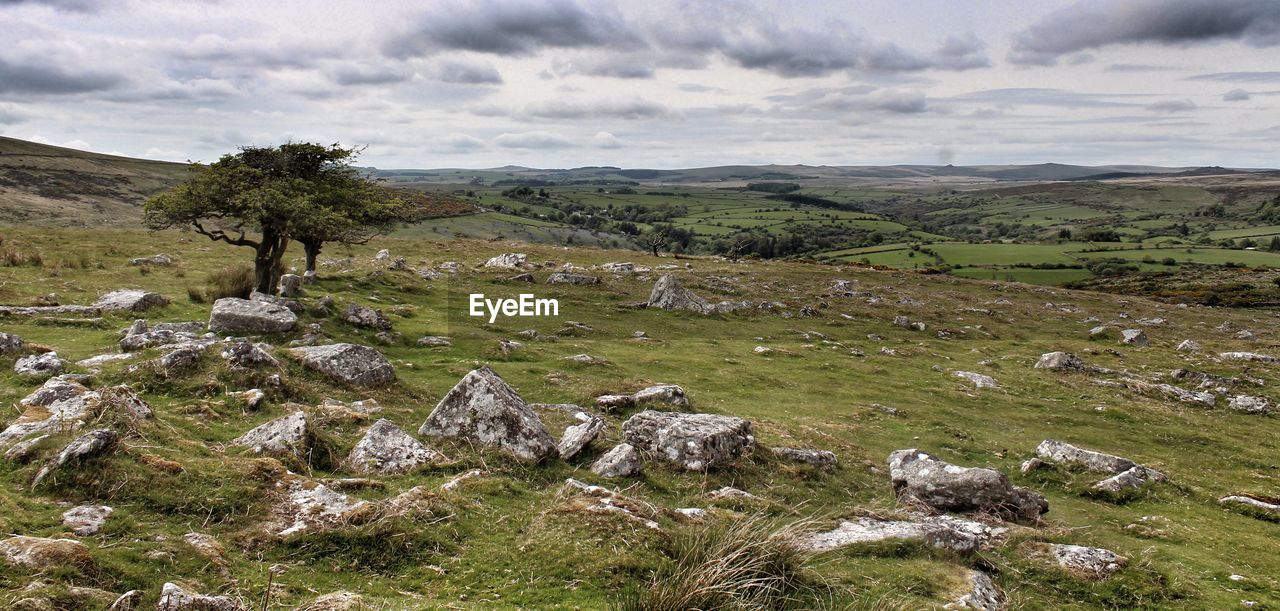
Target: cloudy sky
(561,83)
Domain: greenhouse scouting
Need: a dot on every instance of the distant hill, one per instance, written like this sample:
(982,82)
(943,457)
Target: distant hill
(52,185)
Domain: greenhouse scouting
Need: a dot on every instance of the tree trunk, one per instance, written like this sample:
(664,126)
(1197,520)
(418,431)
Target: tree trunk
(312,248)
(267,263)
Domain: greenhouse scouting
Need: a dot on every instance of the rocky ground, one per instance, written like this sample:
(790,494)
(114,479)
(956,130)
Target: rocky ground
(359,443)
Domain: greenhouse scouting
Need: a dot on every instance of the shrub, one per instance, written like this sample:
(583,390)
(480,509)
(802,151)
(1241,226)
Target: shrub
(195,294)
(235,281)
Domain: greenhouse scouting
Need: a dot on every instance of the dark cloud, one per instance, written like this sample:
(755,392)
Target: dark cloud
(467,72)
(1238,77)
(884,100)
(1172,106)
(961,53)
(364,74)
(632,109)
(1099,23)
(1235,95)
(1138,68)
(511,28)
(77,6)
(611,65)
(37,79)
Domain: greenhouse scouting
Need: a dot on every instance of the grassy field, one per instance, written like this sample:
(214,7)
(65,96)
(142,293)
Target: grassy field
(509,539)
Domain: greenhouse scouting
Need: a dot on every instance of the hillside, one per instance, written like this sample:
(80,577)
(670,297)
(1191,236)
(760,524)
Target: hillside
(840,358)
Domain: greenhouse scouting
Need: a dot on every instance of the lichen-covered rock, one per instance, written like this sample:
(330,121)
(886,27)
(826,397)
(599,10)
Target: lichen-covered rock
(943,532)
(246,355)
(509,260)
(1104,332)
(10,343)
(982,594)
(978,380)
(1188,345)
(235,315)
(1094,461)
(1134,337)
(174,598)
(1092,561)
(571,278)
(64,405)
(312,506)
(484,409)
(38,553)
(385,448)
(1250,405)
(84,447)
(54,389)
(695,442)
(623,460)
(1130,479)
(350,364)
(661,393)
(669,294)
(39,366)
(290,285)
(130,300)
(86,520)
(577,437)
(1060,361)
(287,435)
(1252,357)
(919,476)
(435,341)
(822,459)
(365,317)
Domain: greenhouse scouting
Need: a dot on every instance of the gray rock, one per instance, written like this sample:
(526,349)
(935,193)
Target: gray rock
(365,317)
(383,255)
(978,380)
(1093,561)
(350,364)
(942,531)
(587,359)
(246,355)
(571,278)
(484,409)
(153,337)
(1250,405)
(614,402)
(1252,357)
(1060,361)
(983,594)
(10,344)
(39,366)
(526,277)
(1134,337)
(668,294)
(159,259)
(1272,506)
(434,341)
(1094,461)
(128,601)
(86,520)
(661,393)
(61,407)
(179,359)
(821,459)
(130,300)
(174,598)
(1130,479)
(103,359)
(235,315)
(696,442)
(385,448)
(290,285)
(924,478)
(82,448)
(54,389)
(622,461)
(1104,332)
(1188,345)
(39,554)
(509,260)
(287,435)
(577,437)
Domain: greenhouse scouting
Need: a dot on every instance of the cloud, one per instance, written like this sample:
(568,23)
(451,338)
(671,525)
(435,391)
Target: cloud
(1039,96)
(961,53)
(1138,68)
(462,143)
(1172,106)
(41,79)
(1238,77)
(605,140)
(609,108)
(511,28)
(10,114)
(1099,23)
(533,140)
(882,100)
(610,65)
(367,74)
(75,6)
(466,72)
(1235,95)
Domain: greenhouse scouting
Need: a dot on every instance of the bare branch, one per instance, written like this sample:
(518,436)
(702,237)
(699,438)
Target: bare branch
(220,235)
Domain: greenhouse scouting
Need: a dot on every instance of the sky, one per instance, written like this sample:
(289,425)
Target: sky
(654,84)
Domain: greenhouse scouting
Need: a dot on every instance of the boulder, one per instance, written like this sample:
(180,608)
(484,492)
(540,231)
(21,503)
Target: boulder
(174,598)
(10,343)
(821,459)
(1060,361)
(382,255)
(577,437)
(435,341)
(385,448)
(1091,460)
(983,594)
(661,393)
(484,409)
(1105,332)
(571,278)
(365,317)
(621,461)
(178,359)
(130,300)
(668,294)
(918,476)
(1250,405)
(84,447)
(287,435)
(313,507)
(1270,505)
(53,390)
(159,259)
(696,442)
(290,285)
(509,260)
(39,554)
(1130,479)
(1252,357)
(1188,345)
(943,532)
(978,380)
(86,520)
(246,355)
(235,315)
(349,364)
(1094,562)
(39,366)
(1134,337)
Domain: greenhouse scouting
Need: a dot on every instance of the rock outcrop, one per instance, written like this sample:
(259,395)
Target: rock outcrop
(385,448)
(921,477)
(484,409)
(349,364)
(39,366)
(943,532)
(287,435)
(82,448)
(1093,562)
(695,442)
(174,598)
(623,460)
(821,459)
(86,520)
(130,300)
(235,315)
(38,553)
(668,294)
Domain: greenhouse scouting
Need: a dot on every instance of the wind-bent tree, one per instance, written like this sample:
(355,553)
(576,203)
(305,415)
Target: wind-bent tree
(262,197)
(357,217)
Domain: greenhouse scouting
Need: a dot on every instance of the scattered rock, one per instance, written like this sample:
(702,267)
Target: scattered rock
(597,499)
(1249,356)
(1269,505)
(506,346)
(247,355)
(160,259)
(668,294)
(1091,460)
(978,380)
(130,300)
(983,594)
(525,277)
(235,315)
(287,435)
(1131,479)
(82,448)
(365,317)
(729,492)
(86,520)
(208,547)
(337,601)
(128,601)
(174,598)
(385,448)
(1188,345)
(577,437)
(587,359)
(290,285)
(38,553)
(1094,562)
(53,390)
(509,260)
(313,506)
(936,483)
(614,402)
(622,461)
(1250,405)
(1060,361)
(570,278)
(661,393)
(435,341)
(10,343)
(484,409)
(103,359)
(1246,335)
(1134,337)
(350,364)
(695,442)
(39,366)
(1105,332)
(821,459)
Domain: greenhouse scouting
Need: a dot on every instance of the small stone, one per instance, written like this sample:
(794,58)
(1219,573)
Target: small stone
(622,461)
(1188,345)
(39,366)
(434,341)
(1134,337)
(821,459)
(385,448)
(86,520)
(509,260)
(287,435)
(577,437)
(1092,561)
(978,380)
(174,598)
(1060,361)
